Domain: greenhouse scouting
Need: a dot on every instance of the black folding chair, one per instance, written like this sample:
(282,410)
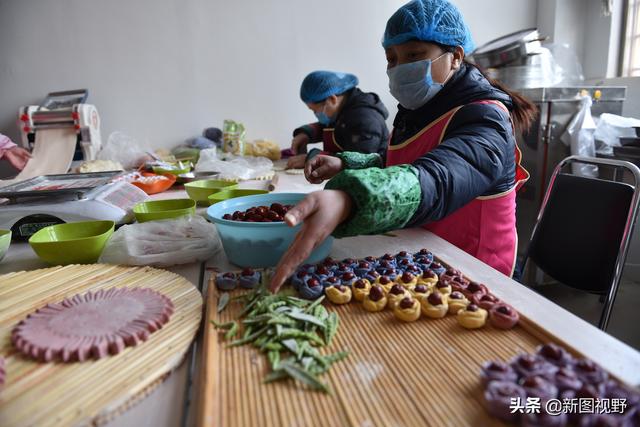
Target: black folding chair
(583,230)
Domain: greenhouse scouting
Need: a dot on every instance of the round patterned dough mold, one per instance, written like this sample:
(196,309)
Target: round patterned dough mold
(92,325)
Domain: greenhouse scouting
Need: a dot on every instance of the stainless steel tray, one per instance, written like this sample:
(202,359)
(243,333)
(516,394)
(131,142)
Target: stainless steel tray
(57,185)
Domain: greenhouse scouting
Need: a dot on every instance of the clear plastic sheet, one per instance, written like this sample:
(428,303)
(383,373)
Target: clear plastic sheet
(163,243)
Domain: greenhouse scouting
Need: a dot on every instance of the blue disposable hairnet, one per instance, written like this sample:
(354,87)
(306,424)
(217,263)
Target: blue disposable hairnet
(430,21)
(319,85)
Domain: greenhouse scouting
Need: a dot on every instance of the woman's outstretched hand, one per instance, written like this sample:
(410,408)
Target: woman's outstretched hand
(320,213)
(321,168)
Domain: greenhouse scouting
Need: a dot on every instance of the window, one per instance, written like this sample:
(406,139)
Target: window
(631,55)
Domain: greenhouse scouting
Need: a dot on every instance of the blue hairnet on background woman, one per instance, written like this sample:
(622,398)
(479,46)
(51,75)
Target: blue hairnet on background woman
(452,165)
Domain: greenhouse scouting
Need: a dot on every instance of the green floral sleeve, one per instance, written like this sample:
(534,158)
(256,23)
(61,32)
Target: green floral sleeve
(355,160)
(384,199)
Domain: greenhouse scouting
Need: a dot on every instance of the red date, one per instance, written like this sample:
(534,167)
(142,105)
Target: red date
(273,213)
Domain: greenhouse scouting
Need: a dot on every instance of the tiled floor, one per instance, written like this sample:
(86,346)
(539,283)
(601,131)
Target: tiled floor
(625,318)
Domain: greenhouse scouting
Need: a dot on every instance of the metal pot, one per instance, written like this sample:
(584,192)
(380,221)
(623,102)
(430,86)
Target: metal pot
(512,49)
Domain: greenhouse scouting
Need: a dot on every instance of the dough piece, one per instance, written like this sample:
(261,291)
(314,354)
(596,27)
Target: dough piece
(375,299)
(294,171)
(94,324)
(443,287)
(298,278)
(539,387)
(407,310)
(311,289)
(503,316)
(437,268)
(362,268)
(348,278)
(528,365)
(331,281)
(361,288)
(372,276)
(450,274)
(458,283)
(474,289)
(421,291)
(428,277)
(339,294)
(566,379)
(435,305)
(497,371)
(498,396)
(322,272)
(486,301)
(589,372)
(396,294)
(472,317)
(226,281)
(249,279)
(457,302)
(277,168)
(385,282)
(556,355)
(404,255)
(408,280)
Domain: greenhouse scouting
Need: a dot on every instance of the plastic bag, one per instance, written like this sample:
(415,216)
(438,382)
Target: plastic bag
(163,243)
(579,136)
(233,167)
(568,68)
(125,150)
(611,128)
(233,134)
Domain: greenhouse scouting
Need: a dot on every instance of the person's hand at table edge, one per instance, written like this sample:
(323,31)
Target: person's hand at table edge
(321,168)
(320,213)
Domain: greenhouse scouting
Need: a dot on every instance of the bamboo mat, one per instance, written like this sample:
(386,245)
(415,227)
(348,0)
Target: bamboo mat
(424,373)
(91,392)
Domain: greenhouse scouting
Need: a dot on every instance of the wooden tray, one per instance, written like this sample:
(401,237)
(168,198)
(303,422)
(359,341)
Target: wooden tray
(45,394)
(424,373)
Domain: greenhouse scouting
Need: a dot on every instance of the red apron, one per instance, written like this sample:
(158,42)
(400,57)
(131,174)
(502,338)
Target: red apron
(484,227)
(329,144)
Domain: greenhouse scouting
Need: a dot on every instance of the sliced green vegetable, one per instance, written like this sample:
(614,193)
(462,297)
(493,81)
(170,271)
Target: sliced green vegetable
(331,327)
(223,300)
(233,330)
(306,318)
(304,376)
(219,325)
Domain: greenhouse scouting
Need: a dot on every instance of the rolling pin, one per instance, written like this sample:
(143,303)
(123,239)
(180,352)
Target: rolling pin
(274,182)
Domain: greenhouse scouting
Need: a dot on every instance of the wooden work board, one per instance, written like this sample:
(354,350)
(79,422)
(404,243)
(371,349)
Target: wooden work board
(90,392)
(424,373)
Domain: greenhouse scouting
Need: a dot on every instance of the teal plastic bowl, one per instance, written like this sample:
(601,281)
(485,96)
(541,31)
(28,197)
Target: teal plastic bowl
(259,244)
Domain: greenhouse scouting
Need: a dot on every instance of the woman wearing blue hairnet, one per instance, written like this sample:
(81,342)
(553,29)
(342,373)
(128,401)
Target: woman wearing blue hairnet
(348,119)
(452,164)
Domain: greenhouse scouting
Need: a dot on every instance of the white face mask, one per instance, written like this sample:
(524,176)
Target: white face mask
(412,84)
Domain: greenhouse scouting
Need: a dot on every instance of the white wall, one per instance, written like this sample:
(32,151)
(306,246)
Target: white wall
(161,71)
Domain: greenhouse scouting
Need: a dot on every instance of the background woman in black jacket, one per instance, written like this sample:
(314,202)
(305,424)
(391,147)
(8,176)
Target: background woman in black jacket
(348,119)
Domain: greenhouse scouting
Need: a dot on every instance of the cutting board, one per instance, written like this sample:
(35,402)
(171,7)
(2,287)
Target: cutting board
(94,391)
(424,373)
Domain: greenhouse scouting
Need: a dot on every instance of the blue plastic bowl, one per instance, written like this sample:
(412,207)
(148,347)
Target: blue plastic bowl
(259,244)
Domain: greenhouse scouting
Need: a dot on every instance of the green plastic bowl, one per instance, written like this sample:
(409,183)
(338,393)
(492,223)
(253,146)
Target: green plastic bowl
(201,190)
(232,194)
(73,242)
(175,171)
(164,209)
(5,241)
